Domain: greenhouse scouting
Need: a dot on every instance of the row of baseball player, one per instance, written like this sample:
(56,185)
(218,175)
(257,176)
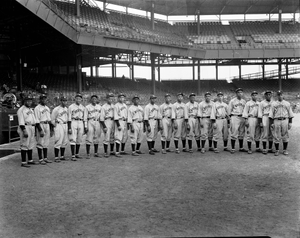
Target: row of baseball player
(266,121)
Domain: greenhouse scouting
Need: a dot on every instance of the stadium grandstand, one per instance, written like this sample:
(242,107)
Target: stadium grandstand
(55,42)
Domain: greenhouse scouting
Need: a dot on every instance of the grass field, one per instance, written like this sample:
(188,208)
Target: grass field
(154,196)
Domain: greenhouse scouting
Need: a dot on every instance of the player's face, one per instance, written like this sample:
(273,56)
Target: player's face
(43,101)
(179,98)
(136,101)
(254,97)
(192,99)
(207,98)
(94,100)
(110,100)
(153,100)
(28,103)
(78,100)
(220,98)
(268,96)
(239,94)
(280,97)
(168,99)
(122,99)
(64,103)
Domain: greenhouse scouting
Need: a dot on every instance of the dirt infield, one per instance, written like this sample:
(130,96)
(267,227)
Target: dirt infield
(154,196)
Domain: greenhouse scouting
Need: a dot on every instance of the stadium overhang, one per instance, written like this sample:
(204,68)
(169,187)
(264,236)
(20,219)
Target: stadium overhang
(210,7)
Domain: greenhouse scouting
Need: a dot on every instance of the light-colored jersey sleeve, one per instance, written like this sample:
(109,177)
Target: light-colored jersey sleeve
(271,114)
(260,108)
(290,111)
(230,106)
(21,117)
(70,113)
(213,112)
(37,114)
(116,114)
(246,110)
(129,117)
(102,114)
(200,114)
(54,115)
(159,115)
(146,113)
(185,112)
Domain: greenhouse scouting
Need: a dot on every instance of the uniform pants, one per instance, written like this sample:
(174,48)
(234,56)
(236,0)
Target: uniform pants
(253,130)
(94,132)
(267,133)
(237,127)
(221,131)
(281,130)
(77,132)
(206,129)
(60,135)
(152,135)
(194,129)
(43,142)
(137,135)
(180,133)
(29,142)
(109,134)
(122,135)
(166,133)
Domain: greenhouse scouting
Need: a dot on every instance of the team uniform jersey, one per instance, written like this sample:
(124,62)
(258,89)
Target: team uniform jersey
(219,113)
(204,112)
(281,112)
(180,115)
(42,115)
(237,122)
(121,114)
(167,115)
(152,115)
(107,116)
(251,113)
(78,117)
(135,118)
(192,110)
(93,124)
(59,119)
(26,118)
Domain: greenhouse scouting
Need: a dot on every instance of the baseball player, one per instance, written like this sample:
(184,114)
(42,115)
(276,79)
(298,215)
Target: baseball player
(180,122)
(264,121)
(152,123)
(167,120)
(107,123)
(43,124)
(120,117)
(251,122)
(26,130)
(93,111)
(77,125)
(59,119)
(220,122)
(237,122)
(135,121)
(204,112)
(281,118)
(193,122)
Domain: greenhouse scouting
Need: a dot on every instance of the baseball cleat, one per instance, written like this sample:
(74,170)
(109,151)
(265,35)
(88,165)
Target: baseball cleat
(32,162)
(112,153)
(134,154)
(25,165)
(123,153)
(211,149)
(47,161)
(276,153)
(199,149)
(163,151)
(184,150)
(118,155)
(232,151)
(285,152)
(106,155)
(42,162)
(258,150)
(88,156)
(57,160)
(78,157)
(202,150)
(63,158)
(97,155)
(139,152)
(169,150)
(216,150)
(249,151)
(265,151)
(177,151)
(242,150)
(271,150)
(151,152)
(74,159)
(226,149)
(191,151)
(155,150)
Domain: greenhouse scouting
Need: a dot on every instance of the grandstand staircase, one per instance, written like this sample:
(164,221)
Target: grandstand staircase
(269,74)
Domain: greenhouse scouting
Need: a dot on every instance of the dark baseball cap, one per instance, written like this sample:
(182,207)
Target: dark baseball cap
(239,90)
(180,94)
(279,92)
(135,97)
(63,98)
(94,96)
(78,95)
(121,95)
(207,93)
(152,97)
(43,96)
(192,95)
(220,93)
(254,92)
(268,91)
(110,95)
(167,95)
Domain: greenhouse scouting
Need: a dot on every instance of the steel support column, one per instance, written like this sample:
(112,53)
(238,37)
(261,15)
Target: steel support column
(286,69)
(158,69)
(152,16)
(280,21)
(193,68)
(79,68)
(263,69)
(199,75)
(279,74)
(152,56)
(132,67)
(240,71)
(113,65)
(217,70)
(77,2)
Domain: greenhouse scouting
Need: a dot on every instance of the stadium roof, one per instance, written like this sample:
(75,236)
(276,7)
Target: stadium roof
(211,7)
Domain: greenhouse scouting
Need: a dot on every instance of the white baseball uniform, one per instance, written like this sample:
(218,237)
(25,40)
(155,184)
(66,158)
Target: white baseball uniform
(26,118)
(167,115)
(204,112)
(251,113)
(152,115)
(42,116)
(135,118)
(121,114)
(193,121)
(77,116)
(93,124)
(237,122)
(180,115)
(263,113)
(59,119)
(107,116)
(219,113)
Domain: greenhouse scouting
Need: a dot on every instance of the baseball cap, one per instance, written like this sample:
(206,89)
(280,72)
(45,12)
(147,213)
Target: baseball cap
(94,96)
(268,91)
(121,95)
(254,92)
(135,97)
(78,95)
(28,97)
(220,93)
(192,95)
(180,94)
(207,93)
(239,90)
(63,98)
(43,96)
(279,92)
(152,97)
(109,95)
(167,95)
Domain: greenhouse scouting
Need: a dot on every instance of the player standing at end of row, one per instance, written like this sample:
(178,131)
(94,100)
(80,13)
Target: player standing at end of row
(251,122)
(152,123)
(204,114)
(93,126)
(237,122)
(180,122)
(221,122)
(26,130)
(281,118)
(120,117)
(59,119)
(264,121)
(43,125)
(77,125)
(167,121)
(135,121)
(108,125)
(193,122)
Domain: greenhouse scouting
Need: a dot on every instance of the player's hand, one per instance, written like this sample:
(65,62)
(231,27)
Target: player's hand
(119,128)
(261,125)
(42,134)
(201,125)
(105,130)
(290,126)
(160,128)
(272,126)
(148,129)
(175,126)
(214,126)
(70,131)
(85,130)
(51,133)
(188,128)
(228,125)
(131,129)
(246,124)
(25,134)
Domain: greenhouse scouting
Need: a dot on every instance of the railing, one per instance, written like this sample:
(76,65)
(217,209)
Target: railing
(11,118)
